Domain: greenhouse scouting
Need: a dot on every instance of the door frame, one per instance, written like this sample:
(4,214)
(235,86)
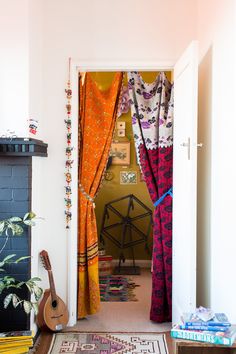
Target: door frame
(72,243)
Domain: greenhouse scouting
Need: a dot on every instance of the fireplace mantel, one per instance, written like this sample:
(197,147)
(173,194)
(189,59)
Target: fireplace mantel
(22,147)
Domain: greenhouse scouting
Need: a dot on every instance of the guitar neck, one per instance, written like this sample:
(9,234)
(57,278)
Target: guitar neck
(52,286)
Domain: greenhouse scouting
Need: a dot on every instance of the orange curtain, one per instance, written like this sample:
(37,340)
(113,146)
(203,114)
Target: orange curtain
(98,111)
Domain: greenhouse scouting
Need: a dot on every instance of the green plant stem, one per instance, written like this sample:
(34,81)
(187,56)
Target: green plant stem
(7,238)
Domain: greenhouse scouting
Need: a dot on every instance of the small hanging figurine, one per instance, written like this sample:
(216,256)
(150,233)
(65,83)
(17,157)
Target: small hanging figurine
(69,149)
(69,163)
(68,190)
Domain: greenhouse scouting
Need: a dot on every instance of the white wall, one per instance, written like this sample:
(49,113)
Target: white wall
(14,66)
(37,38)
(95,31)
(216,31)
(36,112)
(204,180)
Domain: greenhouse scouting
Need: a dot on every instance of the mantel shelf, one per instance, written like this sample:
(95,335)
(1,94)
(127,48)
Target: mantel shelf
(22,147)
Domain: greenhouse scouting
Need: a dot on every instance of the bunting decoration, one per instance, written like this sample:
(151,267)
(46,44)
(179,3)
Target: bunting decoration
(69,149)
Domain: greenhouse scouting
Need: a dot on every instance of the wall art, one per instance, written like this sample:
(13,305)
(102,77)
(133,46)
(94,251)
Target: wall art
(120,152)
(128,177)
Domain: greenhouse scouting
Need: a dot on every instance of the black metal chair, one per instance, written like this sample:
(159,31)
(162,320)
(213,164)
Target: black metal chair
(127,234)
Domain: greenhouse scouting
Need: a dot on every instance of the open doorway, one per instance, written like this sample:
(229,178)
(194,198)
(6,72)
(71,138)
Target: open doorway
(122,180)
(184,180)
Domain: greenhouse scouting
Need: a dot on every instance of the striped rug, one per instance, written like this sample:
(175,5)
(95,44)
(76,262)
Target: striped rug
(109,343)
(117,288)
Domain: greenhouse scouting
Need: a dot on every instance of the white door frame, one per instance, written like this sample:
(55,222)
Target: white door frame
(72,234)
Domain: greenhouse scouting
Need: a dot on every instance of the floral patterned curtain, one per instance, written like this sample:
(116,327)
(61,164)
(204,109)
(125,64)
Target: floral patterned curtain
(98,110)
(152,120)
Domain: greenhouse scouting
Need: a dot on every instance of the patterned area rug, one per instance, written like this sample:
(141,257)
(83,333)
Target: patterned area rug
(117,288)
(109,343)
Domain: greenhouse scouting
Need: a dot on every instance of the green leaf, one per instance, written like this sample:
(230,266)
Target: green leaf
(29,223)
(15,300)
(10,226)
(10,256)
(27,306)
(19,285)
(21,259)
(26,216)
(17,229)
(2,224)
(35,307)
(38,292)
(7,300)
(28,286)
(9,280)
(29,215)
(2,286)
(32,215)
(15,219)
(35,279)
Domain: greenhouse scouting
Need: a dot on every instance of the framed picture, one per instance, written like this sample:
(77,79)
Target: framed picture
(120,153)
(120,125)
(128,177)
(121,133)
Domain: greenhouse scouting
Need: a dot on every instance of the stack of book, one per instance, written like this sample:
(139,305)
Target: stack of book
(216,329)
(16,342)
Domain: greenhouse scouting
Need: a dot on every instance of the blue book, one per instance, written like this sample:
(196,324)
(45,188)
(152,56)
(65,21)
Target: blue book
(204,327)
(208,323)
(220,320)
(219,338)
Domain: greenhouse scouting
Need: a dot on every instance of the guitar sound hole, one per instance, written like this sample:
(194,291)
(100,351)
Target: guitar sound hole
(54,304)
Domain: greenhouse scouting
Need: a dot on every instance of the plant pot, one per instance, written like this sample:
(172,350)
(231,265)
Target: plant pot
(14,319)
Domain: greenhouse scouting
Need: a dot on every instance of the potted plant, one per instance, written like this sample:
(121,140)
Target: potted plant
(15,294)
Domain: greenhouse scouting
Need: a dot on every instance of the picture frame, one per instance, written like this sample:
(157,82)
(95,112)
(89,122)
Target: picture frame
(128,177)
(121,133)
(120,152)
(120,125)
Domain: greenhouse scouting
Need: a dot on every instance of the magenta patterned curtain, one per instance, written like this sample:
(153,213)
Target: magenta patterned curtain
(152,122)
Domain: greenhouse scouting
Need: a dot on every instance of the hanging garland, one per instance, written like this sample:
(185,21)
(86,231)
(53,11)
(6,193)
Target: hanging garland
(69,148)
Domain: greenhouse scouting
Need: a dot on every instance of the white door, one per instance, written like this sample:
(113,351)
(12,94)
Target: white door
(185,182)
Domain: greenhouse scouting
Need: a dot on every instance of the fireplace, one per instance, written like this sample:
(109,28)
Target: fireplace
(15,200)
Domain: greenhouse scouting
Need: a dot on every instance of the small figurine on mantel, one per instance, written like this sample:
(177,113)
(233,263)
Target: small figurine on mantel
(33,126)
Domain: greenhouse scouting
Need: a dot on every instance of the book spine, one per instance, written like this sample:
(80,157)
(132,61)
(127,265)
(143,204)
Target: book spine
(204,328)
(209,323)
(200,337)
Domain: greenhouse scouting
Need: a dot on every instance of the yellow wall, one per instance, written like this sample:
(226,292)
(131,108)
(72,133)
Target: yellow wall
(113,189)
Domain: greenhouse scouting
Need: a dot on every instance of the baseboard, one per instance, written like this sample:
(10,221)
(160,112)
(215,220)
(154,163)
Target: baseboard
(142,263)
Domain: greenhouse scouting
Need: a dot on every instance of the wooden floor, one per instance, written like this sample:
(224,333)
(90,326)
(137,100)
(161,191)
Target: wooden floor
(42,343)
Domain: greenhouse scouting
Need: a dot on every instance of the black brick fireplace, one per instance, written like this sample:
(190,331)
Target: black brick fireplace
(15,200)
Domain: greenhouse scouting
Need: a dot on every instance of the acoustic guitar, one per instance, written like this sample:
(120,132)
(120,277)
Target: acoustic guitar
(53,313)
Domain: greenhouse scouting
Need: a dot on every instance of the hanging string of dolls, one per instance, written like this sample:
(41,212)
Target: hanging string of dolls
(123,107)
(69,148)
